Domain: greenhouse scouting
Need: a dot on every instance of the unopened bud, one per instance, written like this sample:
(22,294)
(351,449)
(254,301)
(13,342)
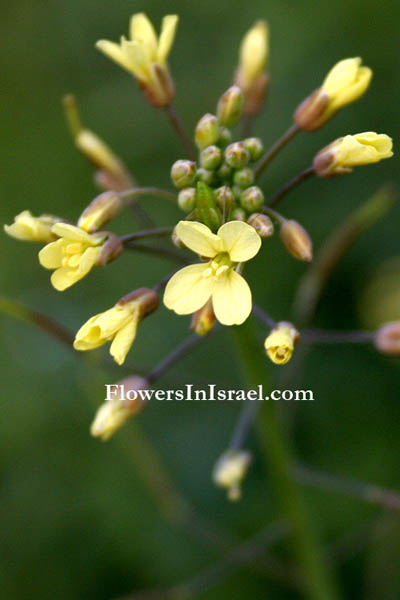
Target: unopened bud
(100,211)
(224,197)
(110,250)
(187,199)
(125,401)
(206,206)
(225,137)
(211,157)
(230,106)
(387,339)
(255,148)
(208,177)
(309,113)
(296,240)
(204,319)
(207,131)
(145,298)
(238,214)
(225,171)
(252,199)
(236,155)
(183,173)
(230,470)
(279,345)
(244,177)
(262,224)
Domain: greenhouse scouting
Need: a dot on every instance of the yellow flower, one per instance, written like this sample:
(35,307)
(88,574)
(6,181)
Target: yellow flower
(230,470)
(118,324)
(191,287)
(352,151)
(144,55)
(28,228)
(72,256)
(345,83)
(279,345)
(251,76)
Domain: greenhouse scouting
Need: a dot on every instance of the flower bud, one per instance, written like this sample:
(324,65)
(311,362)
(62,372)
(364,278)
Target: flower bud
(224,197)
(252,199)
(279,345)
(243,177)
(236,155)
(183,173)
(254,147)
(230,470)
(28,228)
(208,177)
(176,240)
(114,413)
(225,137)
(204,319)
(145,298)
(100,211)
(110,250)
(187,199)
(211,157)
(262,224)
(296,240)
(238,214)
(230,106)
(387,339)
(342,155)
(207,131)
(225,171)
(206,206)
(344,84)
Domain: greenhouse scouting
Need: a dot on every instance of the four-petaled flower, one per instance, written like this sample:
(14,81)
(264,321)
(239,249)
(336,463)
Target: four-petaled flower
(72,256)
(144,55)
(191,287)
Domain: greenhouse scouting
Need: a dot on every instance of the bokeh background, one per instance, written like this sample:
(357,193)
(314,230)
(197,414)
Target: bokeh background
(80,519)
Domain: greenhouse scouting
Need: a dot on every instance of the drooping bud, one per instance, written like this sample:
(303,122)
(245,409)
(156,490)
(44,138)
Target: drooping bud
(207,131)
(124,401)
(342,155)
(110,250)
(211,157)
(204,319)
(183,173)
(100,211)
(252,199)
(187,199)
(344,84)
(230,106)
(262,224)
(387,339)
(236,155)
(230,470)
(244,177)
(279,344)
(254,147)
(296,240)
(224,197)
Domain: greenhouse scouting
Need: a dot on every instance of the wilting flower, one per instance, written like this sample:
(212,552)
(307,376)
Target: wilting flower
(72,256)
(250,75)
(350,151)
(230,470)
(345,83)
(144,55)
(117,325)
(279,344)
(28,228)
(191,287)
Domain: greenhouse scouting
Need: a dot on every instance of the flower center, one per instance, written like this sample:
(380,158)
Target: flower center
(72,254)
(218,266)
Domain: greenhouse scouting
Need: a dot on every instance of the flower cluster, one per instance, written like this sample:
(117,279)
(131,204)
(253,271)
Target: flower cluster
(228,213)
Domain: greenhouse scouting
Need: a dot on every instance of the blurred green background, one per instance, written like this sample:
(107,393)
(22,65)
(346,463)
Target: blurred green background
(78,520)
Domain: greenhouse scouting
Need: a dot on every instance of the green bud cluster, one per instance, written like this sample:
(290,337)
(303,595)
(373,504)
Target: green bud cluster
(221,184)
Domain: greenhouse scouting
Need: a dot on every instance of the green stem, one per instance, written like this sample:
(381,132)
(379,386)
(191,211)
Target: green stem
(134,193)
(138,235)
(276,446)
(297,180)
(276,148)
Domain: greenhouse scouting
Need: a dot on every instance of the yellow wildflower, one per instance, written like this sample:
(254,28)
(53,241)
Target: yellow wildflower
(230,470)
(72,256)
(28,228)
(345,83)
(279,344)
(191,287)
(352,151)
(144,55)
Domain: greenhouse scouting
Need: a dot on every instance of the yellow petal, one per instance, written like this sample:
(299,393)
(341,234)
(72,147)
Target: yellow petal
(139,59)
(88,260)
(75,233)
(123,341)
(87,337)
(254,51)
(232,299)
(51,255)
(142,31)
(64,277)
(115,52)
(382,143)
(341,75)
(240,240)
(167,36)
(198,238)
(187,291)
